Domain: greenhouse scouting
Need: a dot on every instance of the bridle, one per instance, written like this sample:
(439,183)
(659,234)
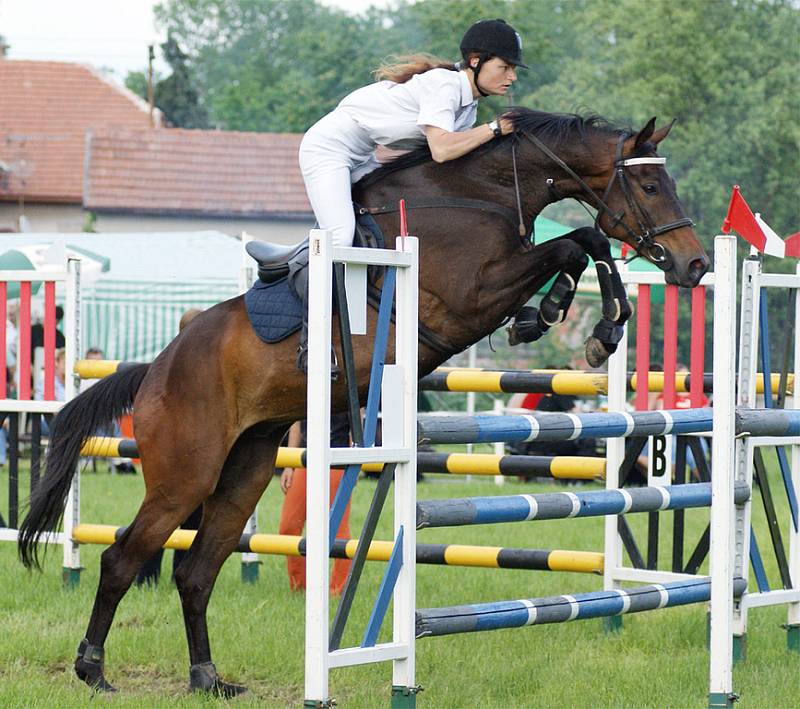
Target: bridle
(644,241)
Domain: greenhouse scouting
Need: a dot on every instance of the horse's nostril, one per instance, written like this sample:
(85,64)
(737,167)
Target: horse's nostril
(698,268)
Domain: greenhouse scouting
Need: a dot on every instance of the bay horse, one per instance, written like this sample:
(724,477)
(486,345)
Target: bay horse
(211,410)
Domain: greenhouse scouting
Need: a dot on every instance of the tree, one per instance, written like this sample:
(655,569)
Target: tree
(280,65)
(272,65)
(726,69)
(177,95)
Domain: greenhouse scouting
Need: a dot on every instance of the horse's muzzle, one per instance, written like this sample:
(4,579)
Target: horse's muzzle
(687,273)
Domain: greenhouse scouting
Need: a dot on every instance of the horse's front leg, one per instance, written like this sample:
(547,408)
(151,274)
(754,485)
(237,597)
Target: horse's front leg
(568,259)
(616,308)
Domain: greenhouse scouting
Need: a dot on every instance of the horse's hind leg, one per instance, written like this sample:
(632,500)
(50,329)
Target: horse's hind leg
(170,497)
(247,471)
(157,518)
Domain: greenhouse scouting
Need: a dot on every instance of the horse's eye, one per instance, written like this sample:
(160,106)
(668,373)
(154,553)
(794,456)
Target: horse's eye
(650,188)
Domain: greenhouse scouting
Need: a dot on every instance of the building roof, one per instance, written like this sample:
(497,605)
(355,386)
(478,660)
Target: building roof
(46,109)
(195,172)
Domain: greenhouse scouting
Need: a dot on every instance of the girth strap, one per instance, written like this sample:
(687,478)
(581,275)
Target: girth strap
(425,335)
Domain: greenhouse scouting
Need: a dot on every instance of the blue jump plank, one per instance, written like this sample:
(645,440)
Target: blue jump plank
(561,609)
(561,505)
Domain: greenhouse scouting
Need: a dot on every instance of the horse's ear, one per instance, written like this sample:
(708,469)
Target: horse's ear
(645,134)
(662,133)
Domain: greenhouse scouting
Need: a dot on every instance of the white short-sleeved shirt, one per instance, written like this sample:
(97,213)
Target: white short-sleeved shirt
(395,115)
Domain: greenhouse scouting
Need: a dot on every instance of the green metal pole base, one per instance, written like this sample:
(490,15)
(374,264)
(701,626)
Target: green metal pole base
(70,577)
(718,700)
(319,704)
(612,624)
(739,648)
(792,638)
(404,697)
(250,571)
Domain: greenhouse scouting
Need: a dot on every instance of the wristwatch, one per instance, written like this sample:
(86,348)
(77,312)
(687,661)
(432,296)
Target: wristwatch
(495,126)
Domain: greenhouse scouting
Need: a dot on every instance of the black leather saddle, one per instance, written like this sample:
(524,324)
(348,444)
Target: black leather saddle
(273,259)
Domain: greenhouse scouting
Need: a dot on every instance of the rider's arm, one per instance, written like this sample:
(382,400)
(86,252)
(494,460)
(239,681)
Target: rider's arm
(449,145)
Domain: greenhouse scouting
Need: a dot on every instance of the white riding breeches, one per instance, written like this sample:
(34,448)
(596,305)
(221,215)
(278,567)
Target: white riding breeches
(335,152)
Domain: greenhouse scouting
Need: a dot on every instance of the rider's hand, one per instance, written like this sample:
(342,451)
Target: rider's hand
(506,126)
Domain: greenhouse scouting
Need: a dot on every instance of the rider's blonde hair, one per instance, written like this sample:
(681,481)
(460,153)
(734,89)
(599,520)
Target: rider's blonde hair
(400,69)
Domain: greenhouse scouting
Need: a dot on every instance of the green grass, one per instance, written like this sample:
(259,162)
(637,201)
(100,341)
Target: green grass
(658,660)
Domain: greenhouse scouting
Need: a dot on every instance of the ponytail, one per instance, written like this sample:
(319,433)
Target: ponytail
(401,69)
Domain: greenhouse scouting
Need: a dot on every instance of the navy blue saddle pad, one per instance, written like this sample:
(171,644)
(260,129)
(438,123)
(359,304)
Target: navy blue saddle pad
(274,310)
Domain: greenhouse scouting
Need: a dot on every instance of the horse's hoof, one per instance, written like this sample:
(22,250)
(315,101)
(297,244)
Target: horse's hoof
(596,353)
(92,673)
(204,678)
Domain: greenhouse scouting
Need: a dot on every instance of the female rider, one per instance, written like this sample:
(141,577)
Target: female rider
(422,99)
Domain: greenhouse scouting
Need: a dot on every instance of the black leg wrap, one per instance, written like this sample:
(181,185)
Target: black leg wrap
(527,326)
(609,333)
(204,678)
(616,306)
(89,666)
(603,342)
(554,306)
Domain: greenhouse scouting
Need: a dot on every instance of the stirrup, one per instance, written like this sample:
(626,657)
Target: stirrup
(302,362)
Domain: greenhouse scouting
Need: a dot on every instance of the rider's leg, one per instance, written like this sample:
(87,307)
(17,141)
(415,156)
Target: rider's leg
(331,149)
(328,188)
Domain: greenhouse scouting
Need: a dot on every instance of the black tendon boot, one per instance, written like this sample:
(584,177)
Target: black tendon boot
(89,667)
(204,678)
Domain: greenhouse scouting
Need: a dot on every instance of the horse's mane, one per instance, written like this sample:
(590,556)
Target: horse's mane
(553,128)
(557,128)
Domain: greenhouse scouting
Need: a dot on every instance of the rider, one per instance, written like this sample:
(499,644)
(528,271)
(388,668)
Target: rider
(422,98)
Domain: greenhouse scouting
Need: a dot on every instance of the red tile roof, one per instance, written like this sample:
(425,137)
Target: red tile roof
(46,109)
(201,172)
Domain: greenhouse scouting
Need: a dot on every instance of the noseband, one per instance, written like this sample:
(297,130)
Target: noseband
(644,240)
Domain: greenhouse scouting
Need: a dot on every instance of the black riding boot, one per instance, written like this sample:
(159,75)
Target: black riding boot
(302,351)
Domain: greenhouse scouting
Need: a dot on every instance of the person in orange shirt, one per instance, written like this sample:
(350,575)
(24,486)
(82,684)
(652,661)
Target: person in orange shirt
(293,512)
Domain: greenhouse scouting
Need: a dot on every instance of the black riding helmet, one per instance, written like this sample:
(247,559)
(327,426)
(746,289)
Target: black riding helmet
(491,38)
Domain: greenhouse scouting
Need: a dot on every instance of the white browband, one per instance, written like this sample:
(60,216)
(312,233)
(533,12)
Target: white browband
(643,161)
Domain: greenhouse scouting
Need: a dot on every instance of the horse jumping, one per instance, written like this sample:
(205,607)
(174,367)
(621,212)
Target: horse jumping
(210,412)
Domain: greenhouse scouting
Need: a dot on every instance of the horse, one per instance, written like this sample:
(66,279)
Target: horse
(476,271)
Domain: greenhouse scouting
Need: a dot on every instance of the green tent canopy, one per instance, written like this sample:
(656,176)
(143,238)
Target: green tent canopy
(43,255)
(546,229)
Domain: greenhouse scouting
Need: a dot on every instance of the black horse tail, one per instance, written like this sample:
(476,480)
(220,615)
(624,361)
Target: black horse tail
(92,411)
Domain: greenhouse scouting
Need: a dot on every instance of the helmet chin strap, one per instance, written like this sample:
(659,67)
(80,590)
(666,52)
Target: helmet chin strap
(476,70)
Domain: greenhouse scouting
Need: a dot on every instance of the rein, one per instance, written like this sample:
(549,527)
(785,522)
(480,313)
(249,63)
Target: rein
(645,244)
(458,203)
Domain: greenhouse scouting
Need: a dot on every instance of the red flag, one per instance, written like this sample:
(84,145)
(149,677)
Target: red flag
(755,230)
(793,245)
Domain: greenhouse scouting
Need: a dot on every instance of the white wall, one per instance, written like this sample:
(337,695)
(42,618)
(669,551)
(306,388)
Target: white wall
(71,218)
(279,231)
(51,218)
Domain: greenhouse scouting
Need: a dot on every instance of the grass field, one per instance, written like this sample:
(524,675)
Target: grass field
(658,660)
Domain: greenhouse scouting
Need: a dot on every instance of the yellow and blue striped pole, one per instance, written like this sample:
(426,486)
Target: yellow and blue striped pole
(437,554)
(534,381)
(546,381)
(565,467)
